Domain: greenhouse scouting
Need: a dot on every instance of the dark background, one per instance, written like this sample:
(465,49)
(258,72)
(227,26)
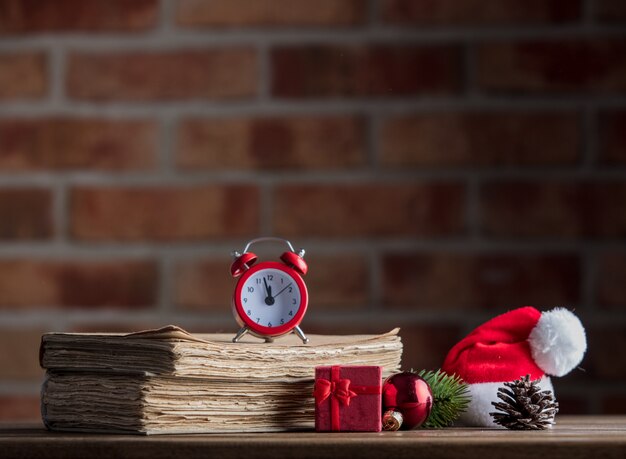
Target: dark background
(442,162)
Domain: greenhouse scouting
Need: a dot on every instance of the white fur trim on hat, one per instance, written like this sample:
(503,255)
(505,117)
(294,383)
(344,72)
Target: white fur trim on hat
(558,342)
(482,394)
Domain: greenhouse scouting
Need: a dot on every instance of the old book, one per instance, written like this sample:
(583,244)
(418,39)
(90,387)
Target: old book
(172,351)
(144,404)
(170,381)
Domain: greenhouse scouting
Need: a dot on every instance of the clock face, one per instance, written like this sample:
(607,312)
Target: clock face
(270,298)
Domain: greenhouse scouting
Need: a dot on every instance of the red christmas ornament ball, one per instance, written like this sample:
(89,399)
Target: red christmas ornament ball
(410,395)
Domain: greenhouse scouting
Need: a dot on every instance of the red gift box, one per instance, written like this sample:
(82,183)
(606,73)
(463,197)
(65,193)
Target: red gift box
(348,399)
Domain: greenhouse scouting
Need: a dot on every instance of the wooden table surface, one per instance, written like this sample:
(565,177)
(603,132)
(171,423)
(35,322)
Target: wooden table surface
(573,437)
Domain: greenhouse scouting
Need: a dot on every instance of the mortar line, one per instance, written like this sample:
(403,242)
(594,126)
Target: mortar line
(373,149)
(430,314)
(167,38)
(264,82)
(56,70)
(405,105)
(375,280)
(166,13)
(141,251)
(266,208)
(589,144)
(589,275)
(372,14)
(588,12)
(473,209)
(20,388)
(60,212)
(165,292)
(471,90)
(385,177)
(166,148)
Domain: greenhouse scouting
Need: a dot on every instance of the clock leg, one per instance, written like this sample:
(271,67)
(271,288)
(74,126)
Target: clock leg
(240,333)
(298,331)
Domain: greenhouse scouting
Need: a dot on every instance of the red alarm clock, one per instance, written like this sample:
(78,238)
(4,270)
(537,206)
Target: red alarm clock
(270,297)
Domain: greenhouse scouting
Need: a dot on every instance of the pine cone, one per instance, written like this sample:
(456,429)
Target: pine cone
(525,406)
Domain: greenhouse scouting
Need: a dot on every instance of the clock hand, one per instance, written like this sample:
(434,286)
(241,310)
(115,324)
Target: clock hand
(269,299)
(289,285)
(268,289)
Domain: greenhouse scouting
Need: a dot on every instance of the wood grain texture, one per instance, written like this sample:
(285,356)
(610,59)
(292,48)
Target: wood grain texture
(572,438)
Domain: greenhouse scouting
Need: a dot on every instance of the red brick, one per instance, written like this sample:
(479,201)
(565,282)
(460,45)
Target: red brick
(449,281)
(25,213)
(610,11)
(334,283)
(112,326)
(110,284)
(20,408)
(224,324)
(480,139)
(532,209)
(23,75)
(369,210)
(338,282)
(426,345)
(272,143)
(611,279)
(571,404)
(600,362)
(614,404)
(204,285)
(361,70)
(164,213)
(65,143)
(612,137)
(560,66)
(225,73)
(19,349)
(479,12)
(237,13)
(27,16)
(370,324)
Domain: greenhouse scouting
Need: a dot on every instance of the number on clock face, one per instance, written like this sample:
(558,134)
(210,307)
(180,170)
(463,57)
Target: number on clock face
(270,297)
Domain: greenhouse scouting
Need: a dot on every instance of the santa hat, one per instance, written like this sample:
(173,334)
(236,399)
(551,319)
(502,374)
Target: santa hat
(520,342)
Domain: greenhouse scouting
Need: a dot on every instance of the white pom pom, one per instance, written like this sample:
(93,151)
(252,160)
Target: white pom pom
(558,342)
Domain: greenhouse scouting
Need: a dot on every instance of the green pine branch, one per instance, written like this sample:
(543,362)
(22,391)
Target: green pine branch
(450,398)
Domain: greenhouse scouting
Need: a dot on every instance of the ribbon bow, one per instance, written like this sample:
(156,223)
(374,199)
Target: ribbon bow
(338,389)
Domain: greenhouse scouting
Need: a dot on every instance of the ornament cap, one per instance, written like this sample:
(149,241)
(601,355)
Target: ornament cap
(392,420)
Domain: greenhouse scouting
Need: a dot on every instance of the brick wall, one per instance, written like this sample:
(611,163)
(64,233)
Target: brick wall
(442,162)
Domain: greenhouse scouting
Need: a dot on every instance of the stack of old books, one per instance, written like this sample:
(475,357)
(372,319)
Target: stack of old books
(170,381)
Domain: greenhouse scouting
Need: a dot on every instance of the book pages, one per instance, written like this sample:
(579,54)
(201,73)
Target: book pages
(169,381)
